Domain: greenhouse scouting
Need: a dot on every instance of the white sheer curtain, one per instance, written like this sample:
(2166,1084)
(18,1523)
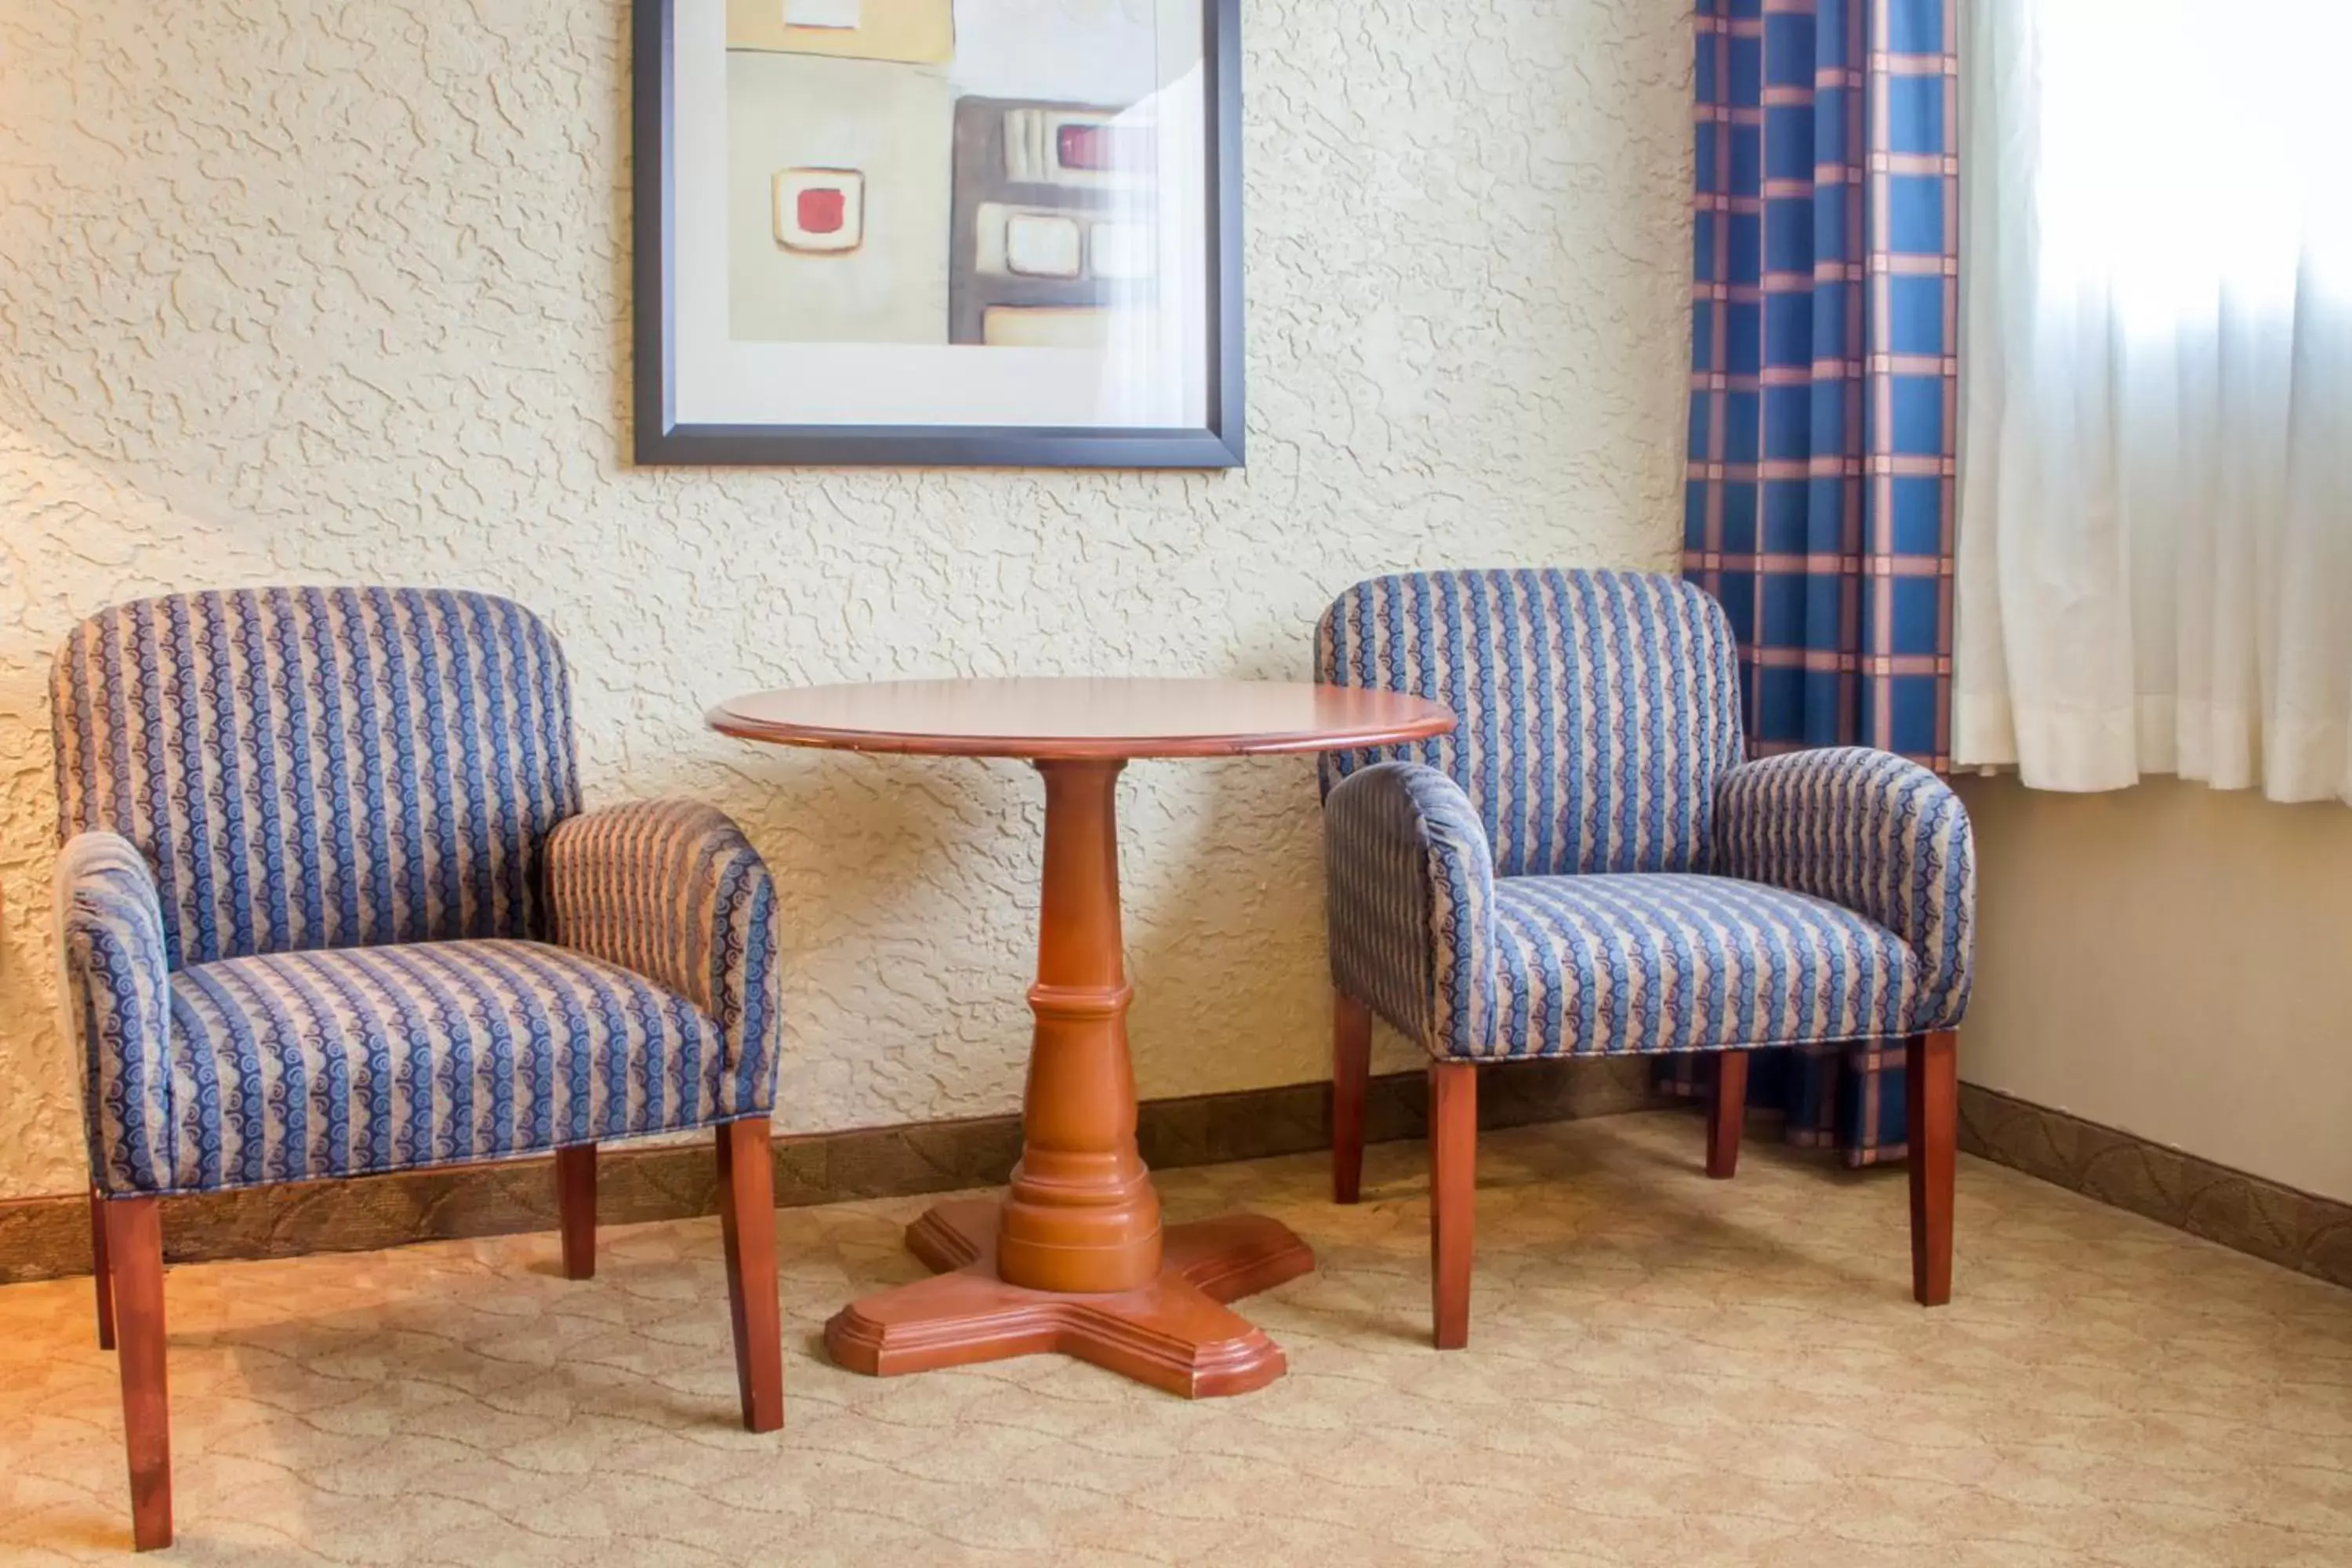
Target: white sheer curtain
(2155,553)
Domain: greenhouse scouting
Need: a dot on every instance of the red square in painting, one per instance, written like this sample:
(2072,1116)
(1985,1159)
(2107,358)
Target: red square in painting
(819,211)
(1098,147)
(822,211)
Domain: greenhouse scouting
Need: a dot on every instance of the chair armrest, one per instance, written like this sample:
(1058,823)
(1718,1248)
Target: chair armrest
(1412,913)
(671,889)
(1879,834)
(118,987)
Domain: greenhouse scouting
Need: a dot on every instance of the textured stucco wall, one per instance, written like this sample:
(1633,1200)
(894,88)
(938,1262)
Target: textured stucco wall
(316,291)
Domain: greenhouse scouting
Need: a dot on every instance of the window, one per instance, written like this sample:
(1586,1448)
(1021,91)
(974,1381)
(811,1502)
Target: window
(2155,548)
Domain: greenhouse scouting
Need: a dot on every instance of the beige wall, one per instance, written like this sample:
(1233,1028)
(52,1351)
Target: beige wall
(338,292)
(2173,961)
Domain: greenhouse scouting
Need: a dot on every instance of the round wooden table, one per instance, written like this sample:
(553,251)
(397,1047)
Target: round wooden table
(1073,1257)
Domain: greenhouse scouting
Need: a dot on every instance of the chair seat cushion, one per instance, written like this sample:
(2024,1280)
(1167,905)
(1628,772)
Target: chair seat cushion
(1659,962)
(351,1060)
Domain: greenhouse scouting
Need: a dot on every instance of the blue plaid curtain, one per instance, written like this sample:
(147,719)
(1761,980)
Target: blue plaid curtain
(1825,415)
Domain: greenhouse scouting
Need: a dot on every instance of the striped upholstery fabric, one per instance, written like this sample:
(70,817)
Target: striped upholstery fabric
(320,767)
(672,889)
(1828,896)
(1668,962)
(328,907)
(292,1066)
(1596,708)
(1413,904)
(118,994)
(1875,832)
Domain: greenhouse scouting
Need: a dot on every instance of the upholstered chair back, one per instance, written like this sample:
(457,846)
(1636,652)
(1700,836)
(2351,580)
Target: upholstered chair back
(1597,709)
(320,767)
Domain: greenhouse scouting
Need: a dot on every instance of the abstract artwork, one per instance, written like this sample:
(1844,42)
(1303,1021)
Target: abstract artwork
(938,231)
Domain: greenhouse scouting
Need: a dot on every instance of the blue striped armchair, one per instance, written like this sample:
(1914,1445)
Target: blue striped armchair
(328,908)
(1587,866)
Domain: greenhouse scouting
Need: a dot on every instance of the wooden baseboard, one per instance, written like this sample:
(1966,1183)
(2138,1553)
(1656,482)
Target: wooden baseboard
(2296,1229)
(46,1238)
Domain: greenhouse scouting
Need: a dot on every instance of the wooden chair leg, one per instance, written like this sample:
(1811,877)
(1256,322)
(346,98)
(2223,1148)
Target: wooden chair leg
(747,1218)
(1453,1196)
(100,1277)
(575,1205)
(1726,1113)
(1352,1075)
(1932,1088)
(134,1245)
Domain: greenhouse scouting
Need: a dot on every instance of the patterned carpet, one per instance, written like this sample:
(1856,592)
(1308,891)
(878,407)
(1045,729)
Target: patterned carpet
(1662,1369)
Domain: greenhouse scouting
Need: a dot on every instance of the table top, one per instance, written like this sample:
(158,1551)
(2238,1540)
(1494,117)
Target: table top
(1082,717)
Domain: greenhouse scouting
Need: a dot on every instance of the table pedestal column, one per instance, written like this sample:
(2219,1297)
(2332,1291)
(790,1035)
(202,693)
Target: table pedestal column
(1072,1258)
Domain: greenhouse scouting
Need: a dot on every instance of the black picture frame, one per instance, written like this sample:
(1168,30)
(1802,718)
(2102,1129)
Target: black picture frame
(661,440)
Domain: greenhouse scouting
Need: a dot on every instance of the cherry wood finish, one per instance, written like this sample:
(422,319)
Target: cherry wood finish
(747,1223)
(575,1206)
(1081,718)
(1074,1258)
(1726,1113)
(1351,1078)
(134,1245)
(1932,1092)
(128,1241)
(1081,1214)
(1932,1084)
(99,1273)
(1172,1330)
(1453,1196)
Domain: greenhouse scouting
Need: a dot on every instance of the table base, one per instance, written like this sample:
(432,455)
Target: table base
(1174,1333)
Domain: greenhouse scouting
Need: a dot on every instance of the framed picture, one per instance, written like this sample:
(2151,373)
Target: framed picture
(1002,232)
